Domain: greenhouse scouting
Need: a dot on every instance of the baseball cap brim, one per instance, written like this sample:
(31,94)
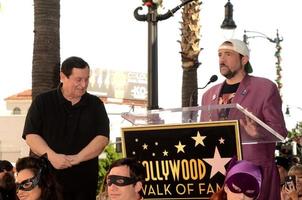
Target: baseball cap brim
(248,67)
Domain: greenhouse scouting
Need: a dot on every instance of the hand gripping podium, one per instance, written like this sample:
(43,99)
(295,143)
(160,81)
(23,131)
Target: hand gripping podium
(185,151)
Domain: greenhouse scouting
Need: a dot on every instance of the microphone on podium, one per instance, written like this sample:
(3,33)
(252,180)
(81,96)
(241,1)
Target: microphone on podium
(212,79)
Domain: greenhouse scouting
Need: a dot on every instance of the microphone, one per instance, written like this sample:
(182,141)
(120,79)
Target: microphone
(212,79)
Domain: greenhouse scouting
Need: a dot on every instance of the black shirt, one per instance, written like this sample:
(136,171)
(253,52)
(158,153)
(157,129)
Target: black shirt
(67,129)
(226,97)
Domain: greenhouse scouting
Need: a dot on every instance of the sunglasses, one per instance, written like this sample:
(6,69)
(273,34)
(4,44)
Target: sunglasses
(29,184)
(120,180)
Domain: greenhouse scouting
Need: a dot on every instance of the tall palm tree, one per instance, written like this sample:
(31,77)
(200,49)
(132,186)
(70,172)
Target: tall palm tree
(190,37)
(46,52)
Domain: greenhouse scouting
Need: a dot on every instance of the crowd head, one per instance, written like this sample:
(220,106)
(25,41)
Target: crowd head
(7,181)
(243,181)
(34,179)
(125,180)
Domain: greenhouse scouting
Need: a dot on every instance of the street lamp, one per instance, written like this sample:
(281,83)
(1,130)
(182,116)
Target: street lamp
(287,111)
(152,17)
(277,40)
(228,22)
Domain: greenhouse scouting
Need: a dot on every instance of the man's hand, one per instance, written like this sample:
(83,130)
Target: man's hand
(250,126)
(74,159)
(59,161)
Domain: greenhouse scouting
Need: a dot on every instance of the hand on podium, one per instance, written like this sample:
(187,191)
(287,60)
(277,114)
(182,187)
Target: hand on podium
(251,127)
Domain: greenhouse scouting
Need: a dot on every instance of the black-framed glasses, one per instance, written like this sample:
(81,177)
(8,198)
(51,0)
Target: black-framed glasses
(120,180)
(29,184)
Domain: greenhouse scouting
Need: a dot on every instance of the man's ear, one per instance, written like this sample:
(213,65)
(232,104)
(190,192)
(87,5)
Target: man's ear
(244,60)
(62,76)
(138,186)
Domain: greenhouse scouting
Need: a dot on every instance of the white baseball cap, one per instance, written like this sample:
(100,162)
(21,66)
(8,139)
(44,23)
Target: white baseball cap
(239,47)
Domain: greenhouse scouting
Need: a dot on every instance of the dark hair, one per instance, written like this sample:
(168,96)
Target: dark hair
(5,165)
(8,187)
(73,62)
(137,170)
(50,189)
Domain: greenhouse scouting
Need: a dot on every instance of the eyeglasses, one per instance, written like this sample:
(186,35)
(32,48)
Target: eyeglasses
(29,184)
(120,180)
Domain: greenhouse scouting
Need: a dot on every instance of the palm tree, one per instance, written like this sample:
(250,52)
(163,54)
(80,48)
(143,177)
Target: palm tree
(190,36)
(46,52)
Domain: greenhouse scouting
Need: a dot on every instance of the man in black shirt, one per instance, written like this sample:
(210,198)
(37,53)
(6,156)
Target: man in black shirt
(72,127)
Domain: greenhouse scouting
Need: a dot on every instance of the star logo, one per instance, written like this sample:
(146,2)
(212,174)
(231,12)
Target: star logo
(145,146)
(221,141)
(217,163)
(199,139)
(165,152)
(180,147)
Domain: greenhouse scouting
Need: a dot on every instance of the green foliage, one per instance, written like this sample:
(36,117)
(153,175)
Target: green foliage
(104,163)
(286,148)
(296,132)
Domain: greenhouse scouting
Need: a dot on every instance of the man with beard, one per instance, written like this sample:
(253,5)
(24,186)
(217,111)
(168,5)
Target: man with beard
(258,95)
(7,181)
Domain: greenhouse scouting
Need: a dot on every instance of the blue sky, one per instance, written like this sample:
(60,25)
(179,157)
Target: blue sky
(106,34)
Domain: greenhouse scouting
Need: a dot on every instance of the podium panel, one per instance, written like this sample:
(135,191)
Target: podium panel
(185,160)
(217,113)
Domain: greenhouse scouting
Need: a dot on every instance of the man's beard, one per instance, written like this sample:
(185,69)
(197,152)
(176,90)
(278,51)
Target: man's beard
(229,73)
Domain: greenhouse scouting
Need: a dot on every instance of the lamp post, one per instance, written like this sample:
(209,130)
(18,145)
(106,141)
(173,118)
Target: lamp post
(152,17)
(295,134)
(277,40)
(228,22)
(287,112)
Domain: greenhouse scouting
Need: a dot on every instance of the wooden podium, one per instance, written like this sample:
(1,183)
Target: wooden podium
(185,151)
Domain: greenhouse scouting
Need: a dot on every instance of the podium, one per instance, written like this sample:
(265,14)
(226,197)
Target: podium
(185,151)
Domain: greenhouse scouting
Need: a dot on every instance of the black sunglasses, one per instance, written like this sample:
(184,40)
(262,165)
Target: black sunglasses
(29,184)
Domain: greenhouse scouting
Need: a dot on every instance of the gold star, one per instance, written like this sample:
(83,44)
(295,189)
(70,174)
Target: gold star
(165,153)
(221,141)
(199,139)
(180,147)
(145,146)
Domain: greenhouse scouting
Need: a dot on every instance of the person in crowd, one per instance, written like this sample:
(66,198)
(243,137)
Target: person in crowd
(7,181)
(292,189)
(242,181)
(35,180)
(283,165)
(295,160)
(125,180)
(72,127)
(259,96)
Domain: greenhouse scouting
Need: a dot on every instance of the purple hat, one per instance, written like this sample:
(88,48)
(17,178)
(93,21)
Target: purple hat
(245,175)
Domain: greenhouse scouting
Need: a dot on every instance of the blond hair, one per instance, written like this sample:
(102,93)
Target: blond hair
(294,170)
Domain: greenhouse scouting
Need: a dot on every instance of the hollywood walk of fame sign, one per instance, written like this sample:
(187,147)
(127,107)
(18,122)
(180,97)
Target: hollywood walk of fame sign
(183,161)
